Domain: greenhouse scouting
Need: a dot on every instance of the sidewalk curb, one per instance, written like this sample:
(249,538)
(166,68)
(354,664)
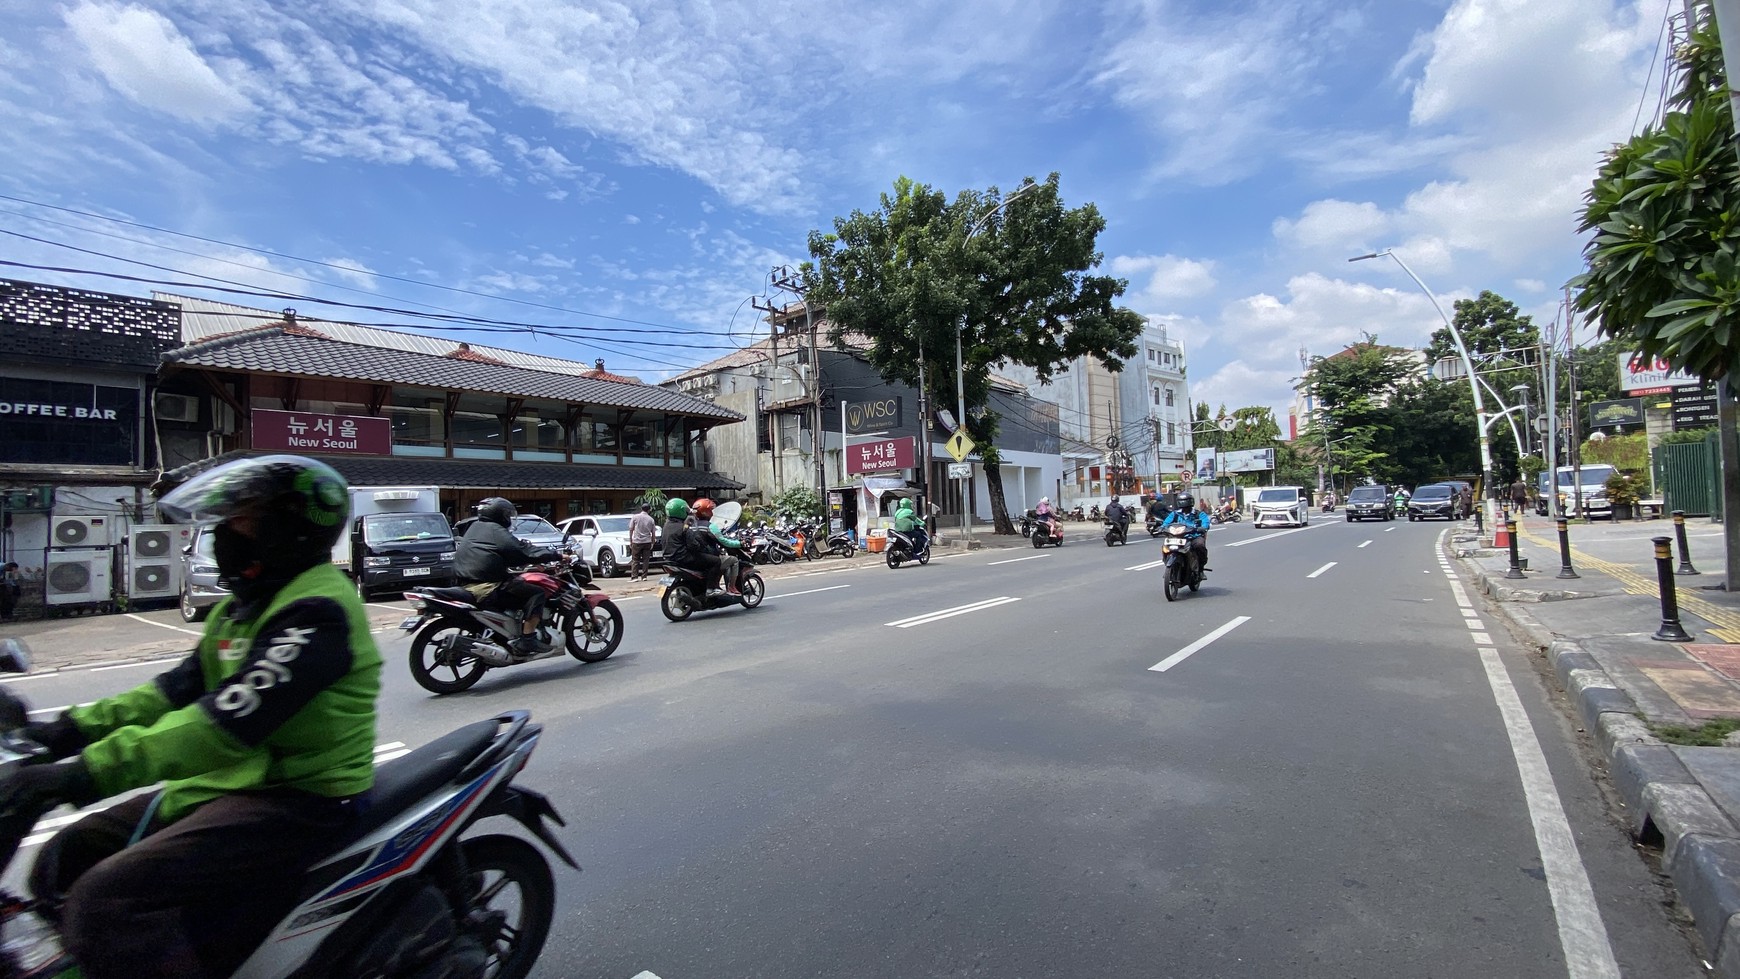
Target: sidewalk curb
(1700,842)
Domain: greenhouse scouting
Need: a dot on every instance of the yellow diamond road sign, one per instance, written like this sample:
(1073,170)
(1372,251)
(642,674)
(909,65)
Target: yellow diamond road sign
(960,446)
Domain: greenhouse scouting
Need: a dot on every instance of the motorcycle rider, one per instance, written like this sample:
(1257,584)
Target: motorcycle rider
(1185,512)
(1046,516)
(1118,516)
(1158,508)
(908,523)
(482,561)
(264,734)
(693,547)
(719,545)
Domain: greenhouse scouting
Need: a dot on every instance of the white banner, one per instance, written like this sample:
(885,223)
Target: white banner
(1638,373)
(1247,461)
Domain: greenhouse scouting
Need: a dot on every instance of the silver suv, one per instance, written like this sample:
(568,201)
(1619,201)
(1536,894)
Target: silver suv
(199,578)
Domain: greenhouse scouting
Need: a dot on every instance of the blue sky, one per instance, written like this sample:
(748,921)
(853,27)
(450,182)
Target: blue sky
(652,161)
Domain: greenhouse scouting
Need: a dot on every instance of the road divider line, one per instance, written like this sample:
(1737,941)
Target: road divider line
(1278,533)
(1366,544)
(947,613)
(1389,530)
(162,625)
(1185,653)
(1145,567)
(1319,571)
(1030,557)
(812,591)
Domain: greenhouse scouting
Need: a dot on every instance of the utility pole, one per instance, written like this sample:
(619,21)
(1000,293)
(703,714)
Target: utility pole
(766,306)
(785,278)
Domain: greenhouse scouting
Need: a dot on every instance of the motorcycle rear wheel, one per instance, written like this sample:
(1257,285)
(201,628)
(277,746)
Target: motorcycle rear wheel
(893,562)
(1038,541)
(505,866)
(850,550)
(776,556)
(424,650)
(594,644)
(677,603)
(754,590)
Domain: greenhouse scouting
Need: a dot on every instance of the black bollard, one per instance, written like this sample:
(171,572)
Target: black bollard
(1479,520)
(1685,552)
(1565,569)
(1515,560)
(1671,630)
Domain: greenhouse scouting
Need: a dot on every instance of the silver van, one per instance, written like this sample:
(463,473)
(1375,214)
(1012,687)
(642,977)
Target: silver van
(199,577)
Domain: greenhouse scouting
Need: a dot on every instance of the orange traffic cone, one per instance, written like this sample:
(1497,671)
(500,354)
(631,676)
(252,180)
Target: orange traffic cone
(1501,533)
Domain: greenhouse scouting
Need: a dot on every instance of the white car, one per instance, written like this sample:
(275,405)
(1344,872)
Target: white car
(1281,505)
(603,542)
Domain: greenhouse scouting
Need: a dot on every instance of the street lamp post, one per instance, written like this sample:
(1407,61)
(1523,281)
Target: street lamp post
(1467,364)
(1528,438)
(960,373)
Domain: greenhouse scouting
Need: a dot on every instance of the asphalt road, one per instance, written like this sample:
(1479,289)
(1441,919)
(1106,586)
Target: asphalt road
(850,781)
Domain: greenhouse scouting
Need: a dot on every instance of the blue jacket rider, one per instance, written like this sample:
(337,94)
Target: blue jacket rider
(1186,513)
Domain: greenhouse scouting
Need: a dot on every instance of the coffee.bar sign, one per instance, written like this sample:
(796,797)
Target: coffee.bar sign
(864,417)
(307,431)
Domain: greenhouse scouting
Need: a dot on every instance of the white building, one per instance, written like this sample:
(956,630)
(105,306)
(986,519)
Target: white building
(1155,395)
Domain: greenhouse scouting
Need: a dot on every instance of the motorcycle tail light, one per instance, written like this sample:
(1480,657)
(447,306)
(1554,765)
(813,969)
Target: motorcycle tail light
(415,599)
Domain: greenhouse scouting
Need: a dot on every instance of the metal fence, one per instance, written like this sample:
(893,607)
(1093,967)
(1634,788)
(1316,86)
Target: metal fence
(1690,477)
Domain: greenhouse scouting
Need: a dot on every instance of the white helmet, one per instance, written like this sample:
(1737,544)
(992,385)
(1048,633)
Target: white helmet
(1045,499)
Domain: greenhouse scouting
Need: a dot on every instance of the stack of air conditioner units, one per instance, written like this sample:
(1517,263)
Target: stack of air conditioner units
(81,552)
(154,560)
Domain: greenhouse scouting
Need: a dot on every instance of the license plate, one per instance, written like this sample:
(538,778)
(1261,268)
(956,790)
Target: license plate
(417,572)
(410,622)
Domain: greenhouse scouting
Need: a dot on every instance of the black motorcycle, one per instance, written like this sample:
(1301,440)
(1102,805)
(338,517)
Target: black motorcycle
(901,550)
(1153,526)
(1027,524)
(683,592)
(1183,560)
(841,542)
(1117,531)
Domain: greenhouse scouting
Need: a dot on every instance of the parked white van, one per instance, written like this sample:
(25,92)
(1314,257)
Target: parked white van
(1281,505)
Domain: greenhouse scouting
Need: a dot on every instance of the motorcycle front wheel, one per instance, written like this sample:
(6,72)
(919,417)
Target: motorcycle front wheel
(593,632)
(429,665)
(509,877)
(924,556)
(1171,581)
(677,603)
(1195,575)
(754,590)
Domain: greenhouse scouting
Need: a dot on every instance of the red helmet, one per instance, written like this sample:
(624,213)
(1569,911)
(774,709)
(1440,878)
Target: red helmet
(703,508)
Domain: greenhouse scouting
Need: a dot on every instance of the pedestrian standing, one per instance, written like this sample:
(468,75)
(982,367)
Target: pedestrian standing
(1467,496)
(641,528)
(1519,496)
(10,589)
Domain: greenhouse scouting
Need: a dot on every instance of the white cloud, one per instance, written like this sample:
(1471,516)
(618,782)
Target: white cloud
(1334,225)
(1156,280)
(142,55)
(352,271)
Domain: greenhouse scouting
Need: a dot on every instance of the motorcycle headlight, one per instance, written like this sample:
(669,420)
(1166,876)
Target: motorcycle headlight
(1176,530)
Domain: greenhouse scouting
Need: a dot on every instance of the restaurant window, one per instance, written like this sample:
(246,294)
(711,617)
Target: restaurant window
(477,427)
(595,439)
(643,440)
(538,436)
(418,426)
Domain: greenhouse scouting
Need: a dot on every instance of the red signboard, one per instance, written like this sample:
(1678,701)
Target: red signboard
(307,431)
(882,455)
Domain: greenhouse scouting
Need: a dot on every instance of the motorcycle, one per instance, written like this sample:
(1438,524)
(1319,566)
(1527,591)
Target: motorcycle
(841,543)
(456,640)
(900,549)
(1094,514)
(1117,532)
(1328,506)
(1183,567)
(683,592)
(1027,524)
(757,548)
(1153,526)
(1047,532)
(403,892)
(1076,514)
(781,546)
(1230,513)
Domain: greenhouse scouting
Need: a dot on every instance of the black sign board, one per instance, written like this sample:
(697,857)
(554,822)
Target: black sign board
(880,415)
(1694,407)
(67,423)
(1607,414)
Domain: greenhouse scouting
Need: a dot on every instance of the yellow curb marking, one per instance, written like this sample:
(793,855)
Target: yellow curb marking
(1727,622)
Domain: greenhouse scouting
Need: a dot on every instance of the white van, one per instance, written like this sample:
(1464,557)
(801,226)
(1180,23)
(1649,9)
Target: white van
(1593,478)
(1280,504)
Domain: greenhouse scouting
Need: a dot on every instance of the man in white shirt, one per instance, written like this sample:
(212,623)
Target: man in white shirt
(641,530)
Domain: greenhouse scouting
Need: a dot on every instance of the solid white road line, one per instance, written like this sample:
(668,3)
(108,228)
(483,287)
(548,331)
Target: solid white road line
(163,625)
(1366,544)
(1145,567)
(1185,653)
(1319,571)
(1030,557)
(1582,936)
(947,613)
(812,591)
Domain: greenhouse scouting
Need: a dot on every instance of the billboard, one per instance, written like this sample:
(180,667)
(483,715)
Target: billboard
(1626,411)
(1247,461)
(1205,464)
(1642,375)
(882,455)
(308,431)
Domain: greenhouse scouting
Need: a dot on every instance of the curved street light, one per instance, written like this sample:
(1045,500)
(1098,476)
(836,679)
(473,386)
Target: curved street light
(1467,364)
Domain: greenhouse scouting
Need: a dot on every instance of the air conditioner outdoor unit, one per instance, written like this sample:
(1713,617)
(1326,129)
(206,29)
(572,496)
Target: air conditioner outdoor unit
(177,408)
(77,577)
(81,531)
(154,560)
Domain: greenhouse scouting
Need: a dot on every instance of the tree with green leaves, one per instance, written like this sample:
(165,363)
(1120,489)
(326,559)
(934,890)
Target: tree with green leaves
(1015,276)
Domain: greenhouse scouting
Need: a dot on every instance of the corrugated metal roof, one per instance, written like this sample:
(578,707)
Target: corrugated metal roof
(275,350)
(455,474)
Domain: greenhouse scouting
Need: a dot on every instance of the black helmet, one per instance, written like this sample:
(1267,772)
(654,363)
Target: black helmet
(1186,501)
(497,511)
(303,505)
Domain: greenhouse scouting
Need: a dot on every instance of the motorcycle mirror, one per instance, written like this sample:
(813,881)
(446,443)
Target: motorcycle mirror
(725,516)
(14,656)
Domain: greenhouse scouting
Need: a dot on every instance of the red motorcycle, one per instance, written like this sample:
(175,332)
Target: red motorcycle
(457,641)
(1048,532)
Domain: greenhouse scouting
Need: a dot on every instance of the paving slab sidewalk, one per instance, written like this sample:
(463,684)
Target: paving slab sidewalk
(1596,631)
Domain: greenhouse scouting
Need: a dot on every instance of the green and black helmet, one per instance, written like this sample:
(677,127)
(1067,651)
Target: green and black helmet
(676,509)
(303,504)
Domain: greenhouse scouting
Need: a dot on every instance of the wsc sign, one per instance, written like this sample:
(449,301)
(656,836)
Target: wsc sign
(873,416)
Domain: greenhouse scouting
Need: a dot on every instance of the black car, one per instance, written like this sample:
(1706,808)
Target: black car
(1435,500)
(1371,503)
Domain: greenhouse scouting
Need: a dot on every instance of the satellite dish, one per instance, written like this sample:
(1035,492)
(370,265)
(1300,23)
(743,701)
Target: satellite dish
(725,516)
(1228,423)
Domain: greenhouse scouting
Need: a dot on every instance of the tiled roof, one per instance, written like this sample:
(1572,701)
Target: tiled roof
(275,350)
(761,349)
(465,474)
(464,352)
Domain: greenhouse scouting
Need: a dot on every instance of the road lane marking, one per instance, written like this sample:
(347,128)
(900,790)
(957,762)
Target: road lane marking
(1481,638)
(1145,567)
(1185,653)
(1030,557)
(1278,533)
(1366,544)
(1319,571)
(1388,530)
(163,625)
(812,591)
(948,613)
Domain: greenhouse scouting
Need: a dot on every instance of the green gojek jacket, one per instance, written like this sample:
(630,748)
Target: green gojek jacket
(906,521)
(279,693)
